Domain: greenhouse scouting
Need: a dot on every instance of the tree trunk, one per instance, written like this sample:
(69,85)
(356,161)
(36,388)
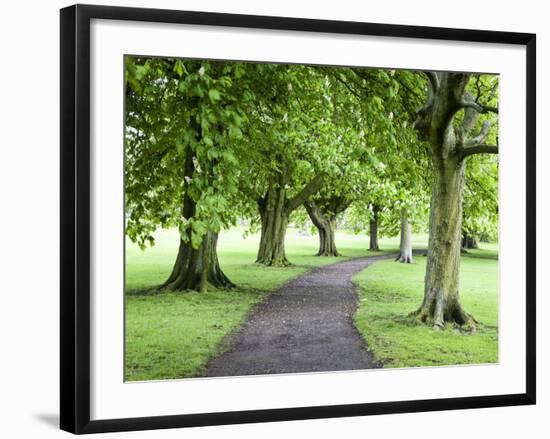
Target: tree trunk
(274,215)
(195,269)
(450,144)
(441,299)
(373,231)
(275,209)
(468,242)
(405,244)
(325,225)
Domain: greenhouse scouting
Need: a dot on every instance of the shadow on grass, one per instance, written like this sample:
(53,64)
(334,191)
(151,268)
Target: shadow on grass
(481,254)
(410,321)
(159,290)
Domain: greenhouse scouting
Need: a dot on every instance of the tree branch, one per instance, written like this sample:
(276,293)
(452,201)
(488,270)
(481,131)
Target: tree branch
(349,87)
(309,189)
(480,108)
(342,205)
(250,193)
(434,80)
(315,214)
(470,119)
(478,149)
(481,136)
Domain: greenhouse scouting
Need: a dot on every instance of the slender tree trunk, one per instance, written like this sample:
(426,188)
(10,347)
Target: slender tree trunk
(325,225)
(405,244)
(274,215)
(373,231)
(441,299)
(195,269)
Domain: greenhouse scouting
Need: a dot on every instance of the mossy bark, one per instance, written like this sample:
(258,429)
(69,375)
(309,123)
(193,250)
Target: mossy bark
(274,216)
(326,225)
(405,241)
(441,303)
(196,269)
(275,208)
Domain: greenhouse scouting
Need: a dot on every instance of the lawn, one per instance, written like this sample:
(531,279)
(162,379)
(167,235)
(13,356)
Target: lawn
(389,291)
(173,335)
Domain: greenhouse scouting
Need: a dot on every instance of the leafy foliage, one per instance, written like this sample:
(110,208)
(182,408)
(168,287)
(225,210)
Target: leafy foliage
(223,133)
(176,111)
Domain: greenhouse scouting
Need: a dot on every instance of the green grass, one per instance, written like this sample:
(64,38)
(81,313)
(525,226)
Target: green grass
(237,255)
(389,291)
(173,335)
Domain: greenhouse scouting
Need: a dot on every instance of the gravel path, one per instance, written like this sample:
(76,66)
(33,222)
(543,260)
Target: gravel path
(305,326)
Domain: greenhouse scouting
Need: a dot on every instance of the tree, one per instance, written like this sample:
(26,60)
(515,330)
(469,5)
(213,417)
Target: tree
(450,122)
(275,208)
(183,121)
(373,229)
(396,173)
(323,214)
(405,242)
(290,147)
(480,210)
(345,177)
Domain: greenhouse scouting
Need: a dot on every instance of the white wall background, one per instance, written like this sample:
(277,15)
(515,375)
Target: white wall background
(29,200)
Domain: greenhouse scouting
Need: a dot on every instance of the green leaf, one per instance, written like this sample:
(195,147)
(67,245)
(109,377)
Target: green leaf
(214,95)
(141,71)
(179,68)
(196,240)
(235,133)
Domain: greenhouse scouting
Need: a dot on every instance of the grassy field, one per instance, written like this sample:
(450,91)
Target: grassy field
(389,291)
(173,335)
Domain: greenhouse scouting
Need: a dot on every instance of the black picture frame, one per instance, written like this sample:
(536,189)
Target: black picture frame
(75,217)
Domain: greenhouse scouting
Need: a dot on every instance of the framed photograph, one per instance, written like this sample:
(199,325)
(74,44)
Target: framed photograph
(268,218)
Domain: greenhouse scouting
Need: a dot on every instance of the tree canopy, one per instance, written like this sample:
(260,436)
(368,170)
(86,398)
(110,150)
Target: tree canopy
(211,143)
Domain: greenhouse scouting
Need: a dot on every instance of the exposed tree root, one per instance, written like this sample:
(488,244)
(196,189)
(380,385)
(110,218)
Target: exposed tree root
(197,269)
(438,314)
(280,261)
(404,259)
(328,253)
(216,279)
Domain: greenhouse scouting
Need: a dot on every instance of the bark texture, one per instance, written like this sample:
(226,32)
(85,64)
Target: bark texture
(275,208)
(441,290)
(450,146)
(405,241)
(373,230)
(274,216)
(195,269)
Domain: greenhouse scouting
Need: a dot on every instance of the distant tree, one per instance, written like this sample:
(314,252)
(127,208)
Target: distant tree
(480,211)
(294,143)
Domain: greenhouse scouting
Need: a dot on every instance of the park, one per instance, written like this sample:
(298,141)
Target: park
(294,218)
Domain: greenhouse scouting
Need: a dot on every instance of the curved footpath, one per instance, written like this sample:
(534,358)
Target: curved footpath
(304,326)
